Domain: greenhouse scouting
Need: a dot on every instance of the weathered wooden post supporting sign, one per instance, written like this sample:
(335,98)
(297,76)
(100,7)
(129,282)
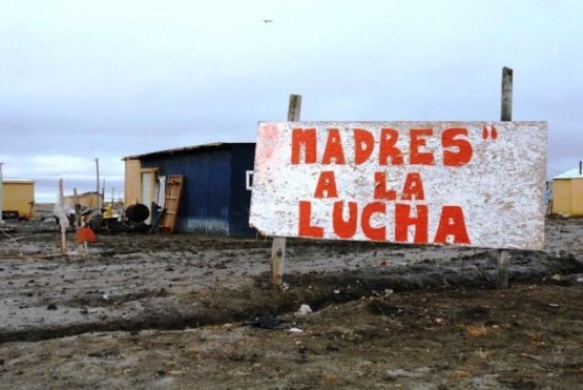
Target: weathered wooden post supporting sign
(478,184)
(278,248)
(505,116)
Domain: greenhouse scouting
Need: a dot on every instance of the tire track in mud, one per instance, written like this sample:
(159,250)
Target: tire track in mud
(317,289)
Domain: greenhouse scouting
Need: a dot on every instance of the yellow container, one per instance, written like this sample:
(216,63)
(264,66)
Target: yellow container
(18,195)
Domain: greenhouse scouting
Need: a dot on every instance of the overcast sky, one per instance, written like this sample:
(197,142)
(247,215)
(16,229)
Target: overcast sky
(81,80)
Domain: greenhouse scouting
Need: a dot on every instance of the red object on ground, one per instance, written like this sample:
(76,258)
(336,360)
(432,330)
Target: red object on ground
(85,234)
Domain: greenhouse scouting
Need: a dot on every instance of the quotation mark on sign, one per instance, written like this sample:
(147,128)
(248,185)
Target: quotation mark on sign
(489,132)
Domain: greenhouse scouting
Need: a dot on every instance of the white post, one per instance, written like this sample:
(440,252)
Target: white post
(77,209)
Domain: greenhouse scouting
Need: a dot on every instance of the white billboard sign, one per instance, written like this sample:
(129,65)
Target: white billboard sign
(478,184)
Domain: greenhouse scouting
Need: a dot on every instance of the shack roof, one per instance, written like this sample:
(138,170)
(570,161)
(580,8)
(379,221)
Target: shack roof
(574,173)
(169,152)
(17,181)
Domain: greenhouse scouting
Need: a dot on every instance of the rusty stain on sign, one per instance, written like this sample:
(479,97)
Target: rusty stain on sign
(477,184)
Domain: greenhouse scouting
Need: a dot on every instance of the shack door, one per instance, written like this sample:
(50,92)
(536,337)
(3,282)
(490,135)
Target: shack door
(161,190)
(148,190)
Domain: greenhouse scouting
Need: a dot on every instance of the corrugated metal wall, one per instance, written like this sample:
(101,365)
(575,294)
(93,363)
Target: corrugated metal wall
(215,199)
(205,198)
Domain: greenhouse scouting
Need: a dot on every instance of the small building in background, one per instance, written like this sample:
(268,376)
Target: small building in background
(91,200)
(18,199)
(216,192)
(567,192)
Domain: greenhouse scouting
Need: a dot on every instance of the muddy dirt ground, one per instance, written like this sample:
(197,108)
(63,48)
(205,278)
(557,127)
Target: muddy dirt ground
(193,312)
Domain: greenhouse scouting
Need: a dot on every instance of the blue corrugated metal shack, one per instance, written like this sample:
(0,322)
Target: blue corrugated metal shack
(216,193)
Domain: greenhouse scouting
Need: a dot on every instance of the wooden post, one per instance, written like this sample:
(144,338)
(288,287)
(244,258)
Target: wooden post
(503,263)
(80,247)
(278,248)
(102,196)
(77,209)
(505,116)
(63,227)
(506,109)
(97,191)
